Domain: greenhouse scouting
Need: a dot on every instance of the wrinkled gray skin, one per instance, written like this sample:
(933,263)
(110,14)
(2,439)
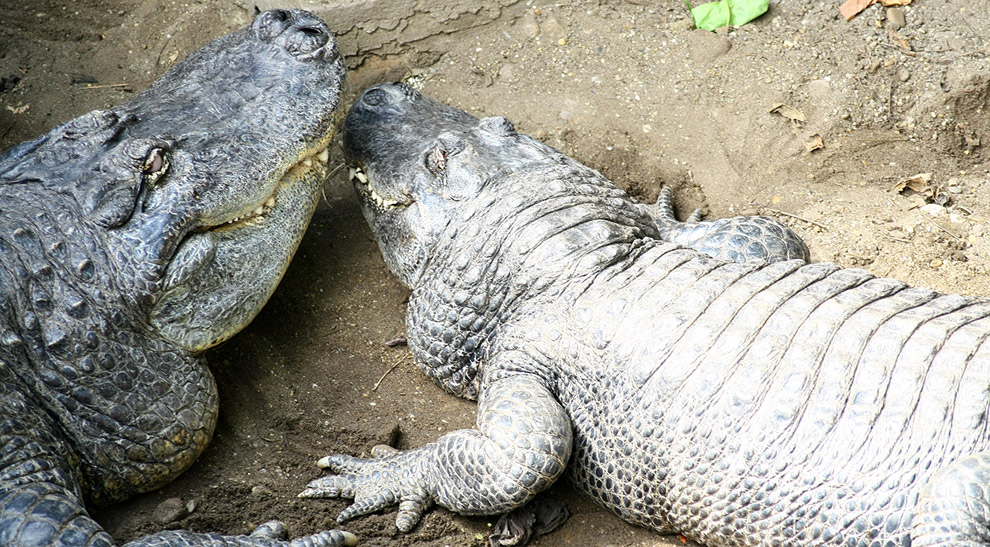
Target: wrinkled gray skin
(122,259)
(736,403)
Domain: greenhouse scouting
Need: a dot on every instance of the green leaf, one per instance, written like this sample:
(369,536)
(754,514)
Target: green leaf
(715,15)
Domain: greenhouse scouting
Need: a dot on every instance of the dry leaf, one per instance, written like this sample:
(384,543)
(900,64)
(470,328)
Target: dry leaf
(850,8)
(920,183)
(888,3)
(788,112)
(20,109)
(815,143)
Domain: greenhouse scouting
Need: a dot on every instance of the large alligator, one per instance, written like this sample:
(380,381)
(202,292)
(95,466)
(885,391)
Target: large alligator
(132,239)
(736,403)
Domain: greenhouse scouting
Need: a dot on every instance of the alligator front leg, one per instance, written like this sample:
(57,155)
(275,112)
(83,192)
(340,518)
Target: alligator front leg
(520,447)
(737,239)
(953,508)
(41,501)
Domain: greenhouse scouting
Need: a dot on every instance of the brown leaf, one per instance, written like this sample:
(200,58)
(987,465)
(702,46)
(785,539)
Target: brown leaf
(850,8)
(788,112)
(816,143)
(920,184)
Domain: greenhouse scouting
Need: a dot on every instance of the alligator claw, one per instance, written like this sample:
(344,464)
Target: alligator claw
(377,483)
(273,529)
(326,538)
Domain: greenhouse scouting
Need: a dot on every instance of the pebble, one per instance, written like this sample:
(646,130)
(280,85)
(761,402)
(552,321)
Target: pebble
(170,510)
(903,75)
(530,28)
(895,18)
(261,491)
(553,29)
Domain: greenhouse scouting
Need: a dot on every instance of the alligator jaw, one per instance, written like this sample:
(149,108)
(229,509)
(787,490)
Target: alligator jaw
(310,161)
(363,184)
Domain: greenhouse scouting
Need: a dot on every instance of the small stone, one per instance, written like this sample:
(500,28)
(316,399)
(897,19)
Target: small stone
(903,74)
(932,209)
(552,28)
(529,27)
(895,18)
(169,511)
(937,263)
(260,491)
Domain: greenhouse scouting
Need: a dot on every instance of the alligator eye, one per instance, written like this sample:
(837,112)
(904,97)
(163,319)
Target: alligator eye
(155,163)
(436,159)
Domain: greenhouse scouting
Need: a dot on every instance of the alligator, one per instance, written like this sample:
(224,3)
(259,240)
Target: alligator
(132,239)
(736,403)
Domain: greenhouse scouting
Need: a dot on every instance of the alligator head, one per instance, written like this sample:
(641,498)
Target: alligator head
(414,160)
(196,192)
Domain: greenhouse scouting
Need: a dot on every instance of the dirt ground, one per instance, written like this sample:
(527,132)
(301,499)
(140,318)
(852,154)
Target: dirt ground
(626,87)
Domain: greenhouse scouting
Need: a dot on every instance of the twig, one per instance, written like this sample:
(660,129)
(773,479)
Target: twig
(101,86)
(387,372)
(946,230)
(812,222)
(323,190)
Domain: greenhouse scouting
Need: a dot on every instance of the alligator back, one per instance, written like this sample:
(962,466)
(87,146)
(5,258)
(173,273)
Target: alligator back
(776,403)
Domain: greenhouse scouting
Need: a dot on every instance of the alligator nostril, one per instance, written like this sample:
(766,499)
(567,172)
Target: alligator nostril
(271,23)
(375,97)
(305,39)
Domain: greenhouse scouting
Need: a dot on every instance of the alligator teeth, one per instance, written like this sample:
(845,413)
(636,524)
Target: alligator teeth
(361,177)
(308,162)
(351,173)
(324,155)
(384,203)
(270,203)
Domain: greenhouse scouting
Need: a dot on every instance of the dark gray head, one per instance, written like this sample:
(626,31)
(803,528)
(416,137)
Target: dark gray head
(414,160)
(200,187)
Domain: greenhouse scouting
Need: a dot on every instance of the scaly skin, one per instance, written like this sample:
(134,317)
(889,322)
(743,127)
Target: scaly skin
(122,259)
(736,403)
(736,239)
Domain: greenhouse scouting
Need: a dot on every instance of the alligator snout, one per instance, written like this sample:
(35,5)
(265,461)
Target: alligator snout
(301,33)
(387,93)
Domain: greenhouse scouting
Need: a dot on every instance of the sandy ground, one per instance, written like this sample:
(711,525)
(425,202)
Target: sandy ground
(626,87)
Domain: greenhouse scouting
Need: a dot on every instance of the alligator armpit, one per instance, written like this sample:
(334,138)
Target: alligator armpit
(736,403)
(132,239)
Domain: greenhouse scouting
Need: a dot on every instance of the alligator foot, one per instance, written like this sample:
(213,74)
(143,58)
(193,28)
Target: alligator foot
(538,517)
(737,239)
(953,509)
(389,477)
(269,534)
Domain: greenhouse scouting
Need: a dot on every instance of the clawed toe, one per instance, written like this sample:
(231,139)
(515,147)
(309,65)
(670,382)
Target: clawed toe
(272,529)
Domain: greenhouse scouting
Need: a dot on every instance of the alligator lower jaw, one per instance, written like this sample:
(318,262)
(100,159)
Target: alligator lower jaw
(317,161)
(360,180)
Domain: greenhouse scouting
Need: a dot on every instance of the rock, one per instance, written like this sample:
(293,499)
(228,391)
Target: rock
(169,511)
(261,491)
(529,27)
(554,30)
(895,18)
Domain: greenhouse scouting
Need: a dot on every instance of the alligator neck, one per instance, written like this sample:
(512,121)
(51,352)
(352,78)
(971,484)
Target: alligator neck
(533,233)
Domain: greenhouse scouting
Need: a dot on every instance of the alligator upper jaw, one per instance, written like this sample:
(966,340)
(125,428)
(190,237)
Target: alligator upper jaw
(315,159)
(364,185)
